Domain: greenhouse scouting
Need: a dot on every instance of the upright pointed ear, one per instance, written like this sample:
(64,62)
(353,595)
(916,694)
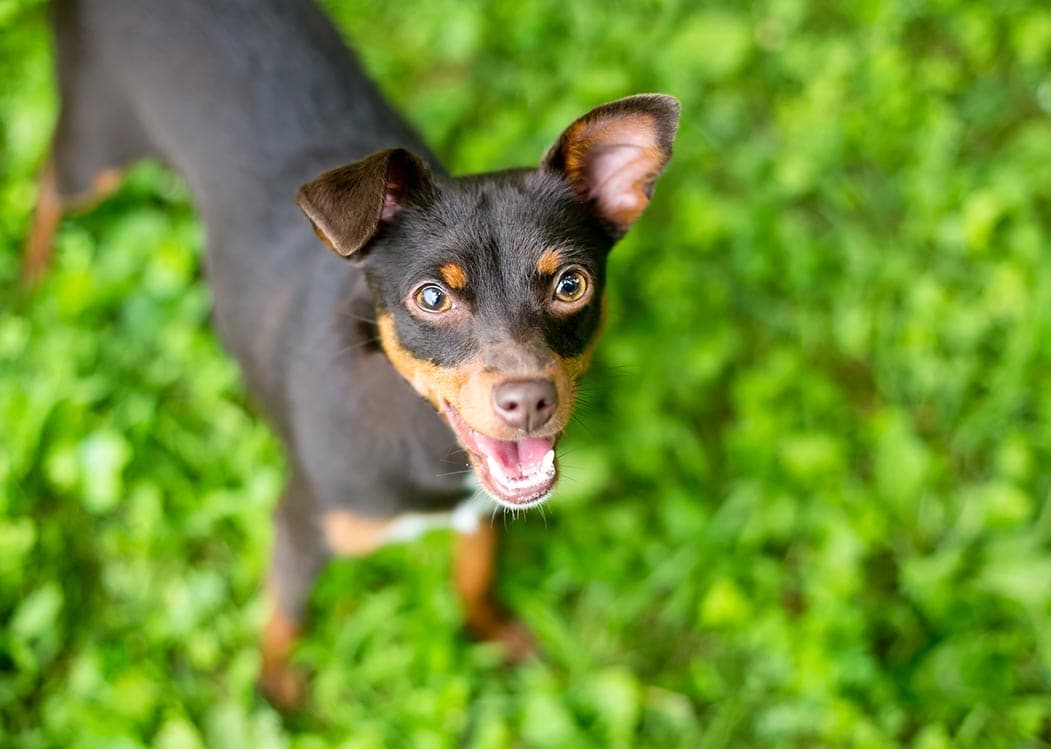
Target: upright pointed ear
(612,155)
(349,205)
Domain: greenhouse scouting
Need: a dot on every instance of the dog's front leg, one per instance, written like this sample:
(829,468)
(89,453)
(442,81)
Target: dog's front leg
(473,569)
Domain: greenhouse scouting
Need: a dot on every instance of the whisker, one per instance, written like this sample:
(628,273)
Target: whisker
(564,451)
(583,424)
(353,346)
(453,473)
(359,318)
(612,370)
(453,455)
(584,407)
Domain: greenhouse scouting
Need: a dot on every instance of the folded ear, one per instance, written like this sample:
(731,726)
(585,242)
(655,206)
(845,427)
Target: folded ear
(613,154)
(348,205)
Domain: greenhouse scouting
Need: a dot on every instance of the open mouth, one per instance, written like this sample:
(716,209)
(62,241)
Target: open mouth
(516,473)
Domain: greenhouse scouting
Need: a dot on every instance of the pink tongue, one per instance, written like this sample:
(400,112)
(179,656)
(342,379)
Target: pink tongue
(517,459)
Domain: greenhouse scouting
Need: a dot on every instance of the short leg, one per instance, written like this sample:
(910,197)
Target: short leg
(36,253)
(50,208)
(298,556)
(473,576)
(302,545)
(96,134)
(282,683)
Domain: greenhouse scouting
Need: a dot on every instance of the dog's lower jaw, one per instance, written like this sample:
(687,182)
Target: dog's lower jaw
(517,475)
(527,497)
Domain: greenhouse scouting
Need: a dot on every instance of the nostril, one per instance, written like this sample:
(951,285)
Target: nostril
(525,404)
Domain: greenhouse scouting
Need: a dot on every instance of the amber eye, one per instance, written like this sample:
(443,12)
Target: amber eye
(571,286)
(432,298)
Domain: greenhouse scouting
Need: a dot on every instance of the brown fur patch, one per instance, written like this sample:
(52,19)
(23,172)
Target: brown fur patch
(473,576)
(350,535)
(51,207)
(36,253)
(104,184)
(454,275)
(282,683)
(431,381)
(323,237)
(473,570)
(468,388)
(549,262)
(576,366)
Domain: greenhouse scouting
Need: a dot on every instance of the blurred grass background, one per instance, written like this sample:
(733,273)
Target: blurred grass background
(807,502)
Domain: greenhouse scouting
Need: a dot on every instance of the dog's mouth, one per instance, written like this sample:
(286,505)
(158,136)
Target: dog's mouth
(515,473)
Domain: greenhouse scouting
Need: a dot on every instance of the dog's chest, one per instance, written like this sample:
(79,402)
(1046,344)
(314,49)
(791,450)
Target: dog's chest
(463,518)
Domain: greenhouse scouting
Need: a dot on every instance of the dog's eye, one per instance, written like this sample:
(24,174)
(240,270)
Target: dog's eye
(432,298)
(571,286)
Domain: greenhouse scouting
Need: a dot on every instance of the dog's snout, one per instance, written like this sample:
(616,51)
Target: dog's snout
(525,404)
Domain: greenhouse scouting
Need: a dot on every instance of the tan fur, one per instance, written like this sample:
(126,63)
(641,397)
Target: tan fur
(549,262)
(36,254)
(50,207)
(323,237)
(468,387)
(454,275)
(350,535)
(105,184)
(282,683)
(576,366)
(473,570)
(431,381)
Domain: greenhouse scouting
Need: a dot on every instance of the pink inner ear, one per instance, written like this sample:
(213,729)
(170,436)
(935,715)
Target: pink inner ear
(616,175)
(617,163)
(390,207)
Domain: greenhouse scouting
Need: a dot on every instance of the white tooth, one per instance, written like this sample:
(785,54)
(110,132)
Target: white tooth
(542,476)
(495,469)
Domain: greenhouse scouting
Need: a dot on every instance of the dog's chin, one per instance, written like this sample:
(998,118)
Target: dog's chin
(516,473)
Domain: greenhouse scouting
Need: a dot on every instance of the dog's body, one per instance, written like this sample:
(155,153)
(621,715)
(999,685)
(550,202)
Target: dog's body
(247,99)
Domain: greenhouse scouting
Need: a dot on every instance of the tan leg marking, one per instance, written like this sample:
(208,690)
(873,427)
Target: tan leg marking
(473,576)
(105,184)
(283,684)
(36,253)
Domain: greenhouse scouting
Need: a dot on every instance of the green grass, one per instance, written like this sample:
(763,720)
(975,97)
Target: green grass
(807,502)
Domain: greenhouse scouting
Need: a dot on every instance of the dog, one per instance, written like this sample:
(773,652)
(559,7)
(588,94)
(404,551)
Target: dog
(450,325)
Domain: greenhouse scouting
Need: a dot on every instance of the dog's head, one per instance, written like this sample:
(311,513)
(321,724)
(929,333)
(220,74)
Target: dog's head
(488,288)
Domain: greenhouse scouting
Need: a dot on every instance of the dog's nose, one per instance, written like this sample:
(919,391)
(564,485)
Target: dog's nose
(525,404)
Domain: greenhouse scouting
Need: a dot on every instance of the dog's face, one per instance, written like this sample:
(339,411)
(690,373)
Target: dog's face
(488,288)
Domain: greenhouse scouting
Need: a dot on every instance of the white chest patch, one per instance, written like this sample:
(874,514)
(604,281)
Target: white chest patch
(463,518)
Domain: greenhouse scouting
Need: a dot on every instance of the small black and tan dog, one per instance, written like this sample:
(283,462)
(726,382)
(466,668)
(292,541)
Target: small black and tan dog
(482,294)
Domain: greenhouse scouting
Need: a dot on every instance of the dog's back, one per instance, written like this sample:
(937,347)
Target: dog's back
(246,99)
(234,94)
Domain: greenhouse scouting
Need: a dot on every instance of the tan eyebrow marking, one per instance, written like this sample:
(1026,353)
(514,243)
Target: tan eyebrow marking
(454,275)
(550,261)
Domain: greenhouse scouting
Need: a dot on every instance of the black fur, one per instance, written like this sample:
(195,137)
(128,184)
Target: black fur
(495,226)
(248,99)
